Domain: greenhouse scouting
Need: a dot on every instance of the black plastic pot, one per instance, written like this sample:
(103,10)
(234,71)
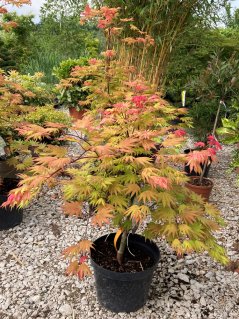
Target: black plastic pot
(9,217)
(125,292)
(193,173)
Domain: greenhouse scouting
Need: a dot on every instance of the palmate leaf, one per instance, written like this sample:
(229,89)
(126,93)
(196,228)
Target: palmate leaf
(55,150)
(153,230)
(167,199)
(143,161)
(127,145)
(132,189)
(82,247)
(177,246)
(129,178)
(170,230)
(210,224)
(198,245)
(83,271)
(72,208)
(137,213)
(118,201)
(103,215)
(173,141)
(195,197)
(211,210)
(116,189)
(148,196)
(196,158)
(148,172)
(185,229)
(189,214)
(53,162)
(187,246)
(165,213)
(72,269)
(198,230)
(36,132)
(147,144)
(218,253)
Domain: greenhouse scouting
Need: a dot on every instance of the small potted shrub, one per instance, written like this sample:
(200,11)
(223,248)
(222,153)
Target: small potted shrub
(119,176)
(70,91)
(198,162)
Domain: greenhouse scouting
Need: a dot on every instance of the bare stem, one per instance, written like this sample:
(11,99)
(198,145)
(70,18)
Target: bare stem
(123,243)
(203,172)
(216,119)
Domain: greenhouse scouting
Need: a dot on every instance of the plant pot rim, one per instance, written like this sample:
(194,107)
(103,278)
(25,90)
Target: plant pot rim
(123,276)
(200,186)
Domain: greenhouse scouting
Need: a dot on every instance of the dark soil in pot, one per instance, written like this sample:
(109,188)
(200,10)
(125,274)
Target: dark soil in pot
(124,288)
(9,217)
(205,182)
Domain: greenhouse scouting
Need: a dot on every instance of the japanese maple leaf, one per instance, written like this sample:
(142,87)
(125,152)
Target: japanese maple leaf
(157,181)
(73,208)
(103,215)
(83,271)
(82,247)
(199,144)
(180,133)
(212,141)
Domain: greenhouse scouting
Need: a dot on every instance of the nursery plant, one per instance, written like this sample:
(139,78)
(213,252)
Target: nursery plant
(70,90)
(203,154)
(122,172)
(41,92)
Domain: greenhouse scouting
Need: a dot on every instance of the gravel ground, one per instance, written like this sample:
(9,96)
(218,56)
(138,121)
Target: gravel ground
(33,284)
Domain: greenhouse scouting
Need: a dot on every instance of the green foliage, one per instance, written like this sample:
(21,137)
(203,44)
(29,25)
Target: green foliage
(58,37)
(229,134)
(43,61)
(71,90)
(40,92)
(41,115)
(17,39)
(167,22)
(191,57)
(7,59)
(218,82)
(63,71)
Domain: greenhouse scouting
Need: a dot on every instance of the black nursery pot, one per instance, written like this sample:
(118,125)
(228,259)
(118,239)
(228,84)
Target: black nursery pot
(125,292)
(193,173)
(9,217)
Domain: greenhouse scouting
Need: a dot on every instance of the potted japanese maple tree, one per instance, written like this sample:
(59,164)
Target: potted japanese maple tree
(122,180)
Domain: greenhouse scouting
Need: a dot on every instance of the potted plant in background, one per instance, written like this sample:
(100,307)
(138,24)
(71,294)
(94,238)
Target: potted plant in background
(198,161)
(70,91)
(114,173)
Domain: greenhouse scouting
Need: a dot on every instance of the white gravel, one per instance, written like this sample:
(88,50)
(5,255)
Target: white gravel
(33,284)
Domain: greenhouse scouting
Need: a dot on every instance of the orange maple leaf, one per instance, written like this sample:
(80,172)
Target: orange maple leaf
(72,269)
(72,208)
(83,271)
(103,215)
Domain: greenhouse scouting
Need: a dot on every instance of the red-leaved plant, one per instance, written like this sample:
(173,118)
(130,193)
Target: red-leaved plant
(203,155)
